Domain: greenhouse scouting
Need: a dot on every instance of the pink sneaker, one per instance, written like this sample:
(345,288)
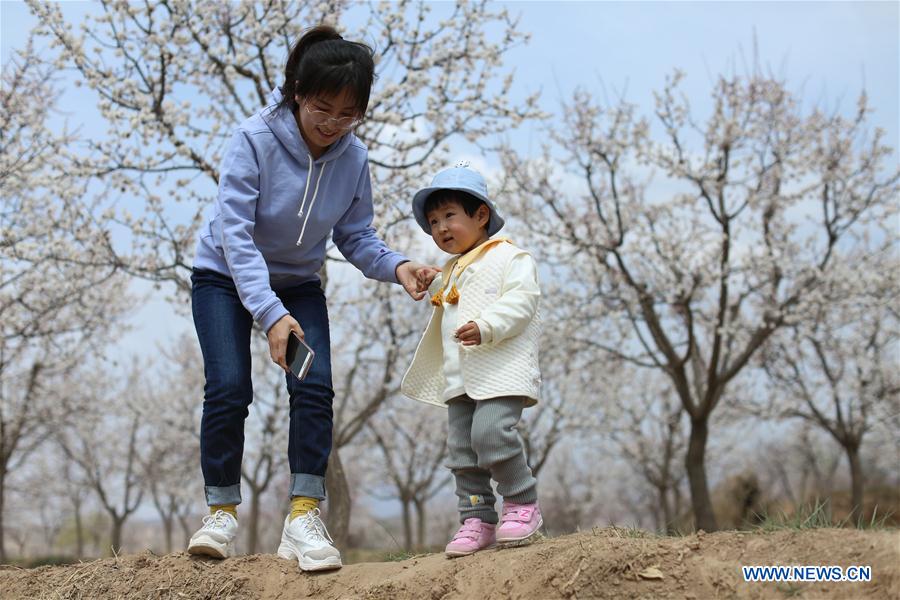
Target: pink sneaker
(472,536)
(519,522)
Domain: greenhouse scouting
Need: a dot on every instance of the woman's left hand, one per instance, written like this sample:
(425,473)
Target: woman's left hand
(406,275)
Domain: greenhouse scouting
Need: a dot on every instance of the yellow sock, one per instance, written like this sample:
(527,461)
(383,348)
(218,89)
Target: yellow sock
(231,509)
(300,505)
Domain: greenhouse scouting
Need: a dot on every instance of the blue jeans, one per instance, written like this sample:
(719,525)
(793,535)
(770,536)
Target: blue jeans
(224,327)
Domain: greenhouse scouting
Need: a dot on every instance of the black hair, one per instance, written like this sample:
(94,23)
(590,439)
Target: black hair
(441,198)
(322,62)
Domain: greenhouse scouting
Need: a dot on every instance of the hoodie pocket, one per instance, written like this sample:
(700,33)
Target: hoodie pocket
(215,231)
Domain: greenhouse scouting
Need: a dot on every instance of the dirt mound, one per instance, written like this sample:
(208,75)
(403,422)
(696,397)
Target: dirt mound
(603,563)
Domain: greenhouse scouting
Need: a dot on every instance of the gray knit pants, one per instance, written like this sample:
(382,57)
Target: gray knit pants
(483,442)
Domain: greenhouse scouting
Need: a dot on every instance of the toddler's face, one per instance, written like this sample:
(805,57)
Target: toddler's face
(454,231)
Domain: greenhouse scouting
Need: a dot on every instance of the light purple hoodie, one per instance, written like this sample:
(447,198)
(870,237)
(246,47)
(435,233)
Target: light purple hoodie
(276,207)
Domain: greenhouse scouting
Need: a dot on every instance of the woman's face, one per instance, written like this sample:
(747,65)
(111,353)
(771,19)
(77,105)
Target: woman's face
(324,119)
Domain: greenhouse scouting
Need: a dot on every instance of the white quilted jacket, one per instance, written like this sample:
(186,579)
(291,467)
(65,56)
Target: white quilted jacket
(508,367)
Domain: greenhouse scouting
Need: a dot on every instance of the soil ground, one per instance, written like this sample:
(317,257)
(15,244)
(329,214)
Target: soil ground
(602,563)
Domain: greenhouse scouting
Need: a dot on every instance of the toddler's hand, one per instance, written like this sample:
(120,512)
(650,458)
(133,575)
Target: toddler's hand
(469,334)
(424,277)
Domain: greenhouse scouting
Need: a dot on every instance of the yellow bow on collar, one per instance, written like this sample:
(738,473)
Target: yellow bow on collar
(457,266)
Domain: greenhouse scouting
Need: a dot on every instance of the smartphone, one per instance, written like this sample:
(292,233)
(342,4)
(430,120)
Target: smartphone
(299,356)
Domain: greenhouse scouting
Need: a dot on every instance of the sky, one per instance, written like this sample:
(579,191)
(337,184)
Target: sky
(827,51)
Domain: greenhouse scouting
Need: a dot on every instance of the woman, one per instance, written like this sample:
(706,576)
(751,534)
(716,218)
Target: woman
(293,174)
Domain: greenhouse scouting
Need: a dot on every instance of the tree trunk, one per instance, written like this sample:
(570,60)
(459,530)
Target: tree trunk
(695,462)
(678,501)
(666,510)
(407,525)
(856,484)
(339,504)
(96,535)
(167,516)
(420,524)
(185,530)
(658,518)
(2,506)
(79,526)
(116,535)
(253,525)
(167,530)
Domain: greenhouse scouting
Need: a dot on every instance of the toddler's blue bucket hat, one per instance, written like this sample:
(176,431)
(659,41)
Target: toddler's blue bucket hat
(461,178)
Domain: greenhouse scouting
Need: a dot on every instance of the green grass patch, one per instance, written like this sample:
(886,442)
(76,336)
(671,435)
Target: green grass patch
(398,556)
(877,521)
(818,515)
(789,590)
(370,555)
(41,561)
(630,531)
(814,516)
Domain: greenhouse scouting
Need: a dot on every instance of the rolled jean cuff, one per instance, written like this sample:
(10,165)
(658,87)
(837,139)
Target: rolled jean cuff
(223,495)
(311,486)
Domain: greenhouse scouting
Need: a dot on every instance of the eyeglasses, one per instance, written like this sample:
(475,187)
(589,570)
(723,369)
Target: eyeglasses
(323,118)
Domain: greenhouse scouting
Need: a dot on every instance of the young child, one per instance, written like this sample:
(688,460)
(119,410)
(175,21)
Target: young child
(479,357)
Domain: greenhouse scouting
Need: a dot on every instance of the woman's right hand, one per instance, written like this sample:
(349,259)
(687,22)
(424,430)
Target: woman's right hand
(424,277)
(278,337)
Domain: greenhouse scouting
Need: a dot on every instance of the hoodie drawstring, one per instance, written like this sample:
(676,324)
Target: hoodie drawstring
(313,199)
(306,189)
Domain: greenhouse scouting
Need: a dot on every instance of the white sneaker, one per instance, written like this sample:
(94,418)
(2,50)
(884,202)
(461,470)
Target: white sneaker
(306,539)
(216,537)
